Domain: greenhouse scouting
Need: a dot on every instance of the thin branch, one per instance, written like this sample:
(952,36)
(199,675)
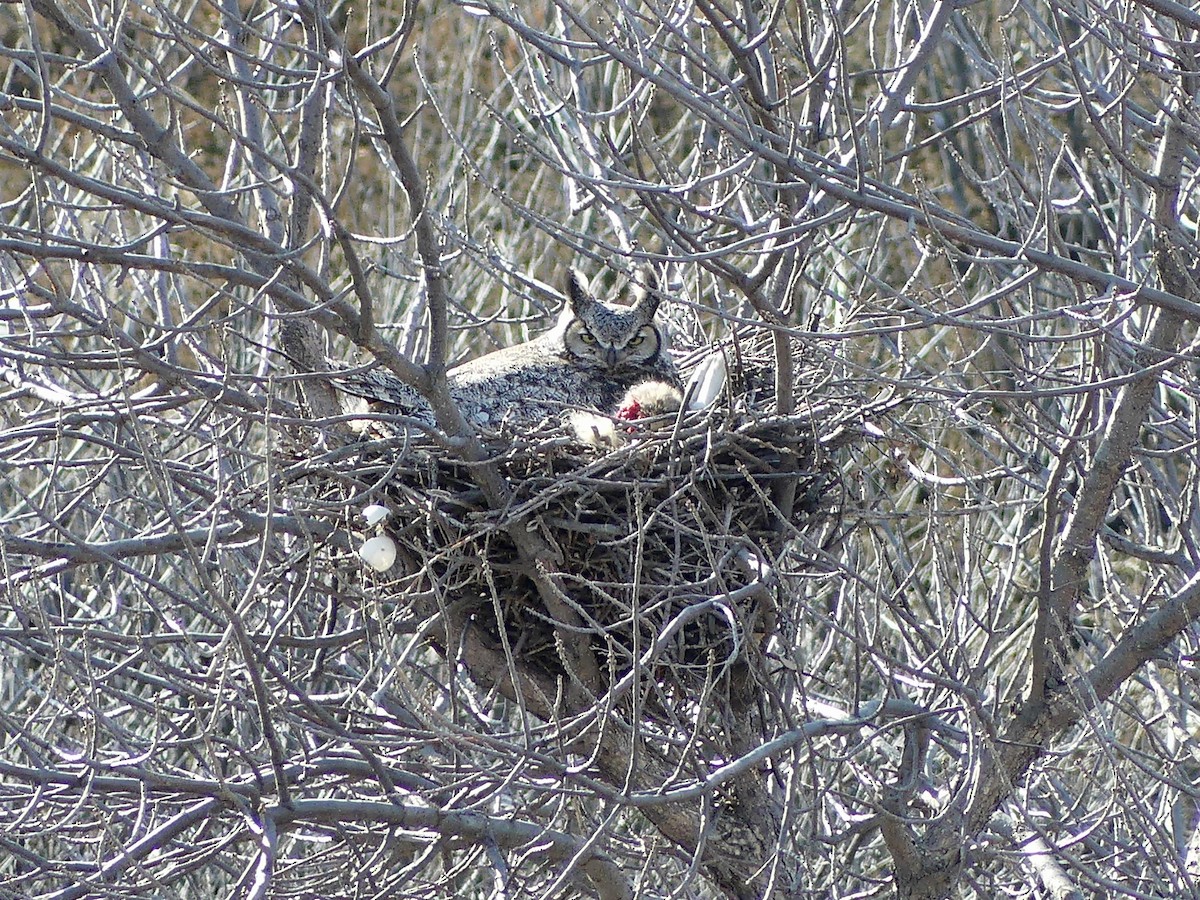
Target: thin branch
(607,878)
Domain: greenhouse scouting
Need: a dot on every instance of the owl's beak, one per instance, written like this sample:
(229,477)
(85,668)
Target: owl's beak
(611,357)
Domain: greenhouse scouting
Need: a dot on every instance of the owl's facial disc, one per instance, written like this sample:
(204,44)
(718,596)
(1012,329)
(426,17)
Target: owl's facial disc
(609,354)
(611,351)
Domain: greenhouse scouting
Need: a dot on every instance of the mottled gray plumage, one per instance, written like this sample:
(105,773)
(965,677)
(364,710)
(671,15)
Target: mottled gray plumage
(595,353)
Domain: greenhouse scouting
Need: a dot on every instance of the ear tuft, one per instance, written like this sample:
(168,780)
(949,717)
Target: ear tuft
(646,296)
(577,295)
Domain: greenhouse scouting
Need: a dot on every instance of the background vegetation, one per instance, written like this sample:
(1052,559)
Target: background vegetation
(980,216)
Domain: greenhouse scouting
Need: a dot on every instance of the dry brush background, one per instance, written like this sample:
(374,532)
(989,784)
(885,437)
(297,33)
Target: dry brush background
(972,222)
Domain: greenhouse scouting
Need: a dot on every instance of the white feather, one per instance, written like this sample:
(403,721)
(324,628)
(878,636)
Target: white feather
(707,382)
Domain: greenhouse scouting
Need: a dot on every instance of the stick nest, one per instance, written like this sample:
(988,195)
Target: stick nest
(664,548)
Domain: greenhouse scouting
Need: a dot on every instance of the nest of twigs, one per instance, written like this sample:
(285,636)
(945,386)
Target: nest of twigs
(663,547)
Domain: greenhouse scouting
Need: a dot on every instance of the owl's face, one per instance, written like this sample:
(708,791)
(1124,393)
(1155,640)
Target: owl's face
(610,336)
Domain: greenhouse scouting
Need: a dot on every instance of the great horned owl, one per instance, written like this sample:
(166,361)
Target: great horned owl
(596,352)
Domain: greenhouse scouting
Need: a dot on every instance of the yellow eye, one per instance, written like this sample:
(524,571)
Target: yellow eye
(637,339)
(586,337)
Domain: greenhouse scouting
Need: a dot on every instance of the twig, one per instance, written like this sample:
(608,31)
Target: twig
(606,877)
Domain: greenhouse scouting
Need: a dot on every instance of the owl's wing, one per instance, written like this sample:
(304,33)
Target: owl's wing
(540,351)
(383,391)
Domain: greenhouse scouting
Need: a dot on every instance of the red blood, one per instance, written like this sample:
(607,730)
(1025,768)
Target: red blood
(630,409)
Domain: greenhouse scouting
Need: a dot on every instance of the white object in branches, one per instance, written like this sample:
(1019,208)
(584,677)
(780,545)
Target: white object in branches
(378,552)
(374,514)
(707,382)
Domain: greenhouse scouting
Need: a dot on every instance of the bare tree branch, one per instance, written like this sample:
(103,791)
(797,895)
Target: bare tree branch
(910,609)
